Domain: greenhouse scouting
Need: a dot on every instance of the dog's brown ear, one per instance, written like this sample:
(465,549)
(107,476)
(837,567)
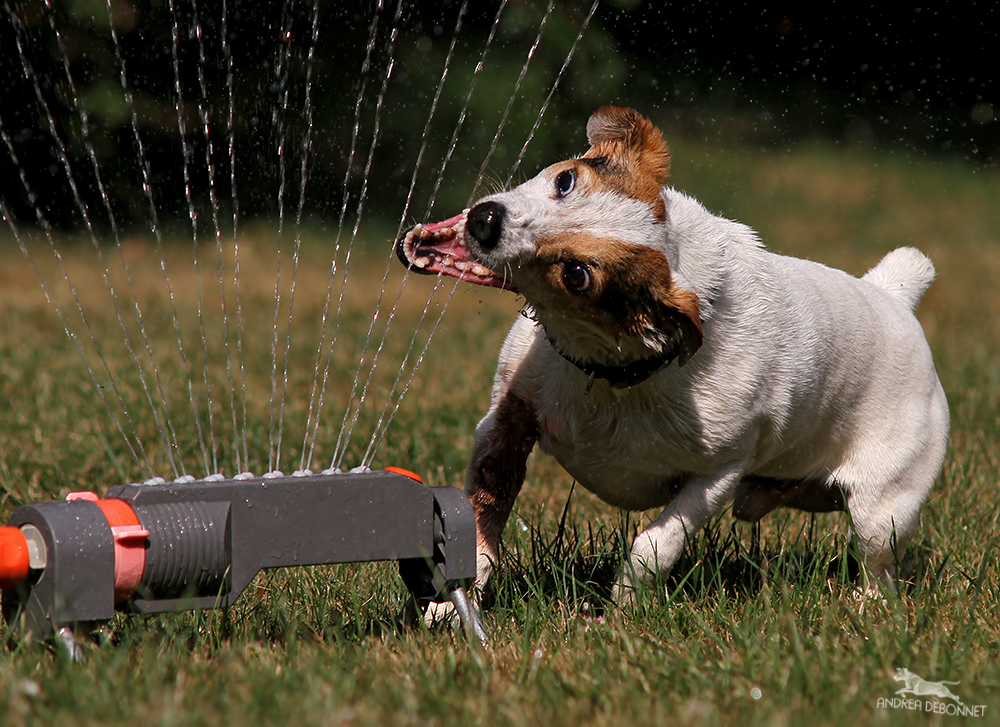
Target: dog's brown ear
(641,294)
(629,137)
(636,157)
(681,308)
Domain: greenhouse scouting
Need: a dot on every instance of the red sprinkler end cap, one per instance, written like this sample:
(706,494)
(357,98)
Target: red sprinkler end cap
(13,558)
(406,473)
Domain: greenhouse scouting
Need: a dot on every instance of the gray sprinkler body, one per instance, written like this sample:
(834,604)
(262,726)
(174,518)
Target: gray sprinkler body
(198,544)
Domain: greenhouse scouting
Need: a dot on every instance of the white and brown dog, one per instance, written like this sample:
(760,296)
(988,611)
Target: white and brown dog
(669,360)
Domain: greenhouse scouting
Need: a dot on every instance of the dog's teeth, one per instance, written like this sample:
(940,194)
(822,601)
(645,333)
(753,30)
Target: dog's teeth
(449,261)
(421,262)
(481,270)
(461,265)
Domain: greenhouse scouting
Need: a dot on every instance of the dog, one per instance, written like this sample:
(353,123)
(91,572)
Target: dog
(913,684)
(667,360)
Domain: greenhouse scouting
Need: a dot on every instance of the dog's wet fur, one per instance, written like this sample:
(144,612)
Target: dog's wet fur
(668,360)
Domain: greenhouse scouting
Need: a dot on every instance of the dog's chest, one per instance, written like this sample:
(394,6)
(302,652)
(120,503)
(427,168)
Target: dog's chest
(627,449)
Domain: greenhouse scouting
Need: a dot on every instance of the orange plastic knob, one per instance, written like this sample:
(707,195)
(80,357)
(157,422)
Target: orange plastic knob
(406,473)
(13,558)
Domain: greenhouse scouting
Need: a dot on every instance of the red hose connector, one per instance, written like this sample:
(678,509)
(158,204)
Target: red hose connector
(13,558)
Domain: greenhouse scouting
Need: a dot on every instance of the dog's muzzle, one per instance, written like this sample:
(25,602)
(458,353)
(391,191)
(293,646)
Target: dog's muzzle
(485,224)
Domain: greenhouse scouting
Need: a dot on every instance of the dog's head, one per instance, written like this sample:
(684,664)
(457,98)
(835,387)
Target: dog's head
(584,243)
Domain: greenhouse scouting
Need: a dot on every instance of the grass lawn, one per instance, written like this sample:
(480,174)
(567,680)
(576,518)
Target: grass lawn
(757,625)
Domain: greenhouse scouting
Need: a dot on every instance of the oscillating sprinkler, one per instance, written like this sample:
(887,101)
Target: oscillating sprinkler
(196,544)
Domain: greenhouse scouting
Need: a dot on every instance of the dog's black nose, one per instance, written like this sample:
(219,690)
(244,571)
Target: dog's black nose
(485,223)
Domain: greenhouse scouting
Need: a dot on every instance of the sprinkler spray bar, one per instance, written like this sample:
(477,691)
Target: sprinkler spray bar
(159,546)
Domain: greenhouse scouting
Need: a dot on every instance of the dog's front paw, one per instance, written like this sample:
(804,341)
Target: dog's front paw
(441,614)
(461,612)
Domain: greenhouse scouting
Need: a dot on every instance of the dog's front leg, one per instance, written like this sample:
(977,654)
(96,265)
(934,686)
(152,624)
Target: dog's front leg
(504,439)
(657,548)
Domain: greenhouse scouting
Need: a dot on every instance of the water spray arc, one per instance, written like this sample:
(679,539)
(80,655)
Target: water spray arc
(188,543)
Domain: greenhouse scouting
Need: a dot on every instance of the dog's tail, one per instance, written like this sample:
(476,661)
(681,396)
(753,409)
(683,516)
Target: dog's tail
(905,273)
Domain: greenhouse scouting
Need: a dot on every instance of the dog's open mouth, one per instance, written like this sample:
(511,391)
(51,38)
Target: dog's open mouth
(440,248)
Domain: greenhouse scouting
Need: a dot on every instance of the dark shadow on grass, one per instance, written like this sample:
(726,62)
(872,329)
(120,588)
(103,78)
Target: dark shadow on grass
(577,565)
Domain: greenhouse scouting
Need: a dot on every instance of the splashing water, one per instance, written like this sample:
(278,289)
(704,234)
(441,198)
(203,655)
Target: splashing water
(244,95)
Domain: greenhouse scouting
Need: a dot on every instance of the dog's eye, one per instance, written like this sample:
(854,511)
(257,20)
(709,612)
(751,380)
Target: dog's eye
(565,181)
(576,277)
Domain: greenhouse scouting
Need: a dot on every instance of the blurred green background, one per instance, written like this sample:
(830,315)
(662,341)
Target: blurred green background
(296,79)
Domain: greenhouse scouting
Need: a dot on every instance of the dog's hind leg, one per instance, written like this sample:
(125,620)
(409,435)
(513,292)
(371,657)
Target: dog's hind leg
(889,474)
(883,528)
(885,516)
(657,548)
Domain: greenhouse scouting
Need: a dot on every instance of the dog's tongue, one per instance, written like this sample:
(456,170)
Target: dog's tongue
(445,237)
(451,222)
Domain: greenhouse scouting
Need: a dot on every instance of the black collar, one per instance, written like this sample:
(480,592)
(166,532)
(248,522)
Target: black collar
(622,377)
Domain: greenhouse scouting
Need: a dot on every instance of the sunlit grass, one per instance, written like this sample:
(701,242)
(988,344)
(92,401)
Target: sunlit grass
(754,627)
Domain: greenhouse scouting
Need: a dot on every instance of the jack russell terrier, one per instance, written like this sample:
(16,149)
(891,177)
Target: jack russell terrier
(666,359)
